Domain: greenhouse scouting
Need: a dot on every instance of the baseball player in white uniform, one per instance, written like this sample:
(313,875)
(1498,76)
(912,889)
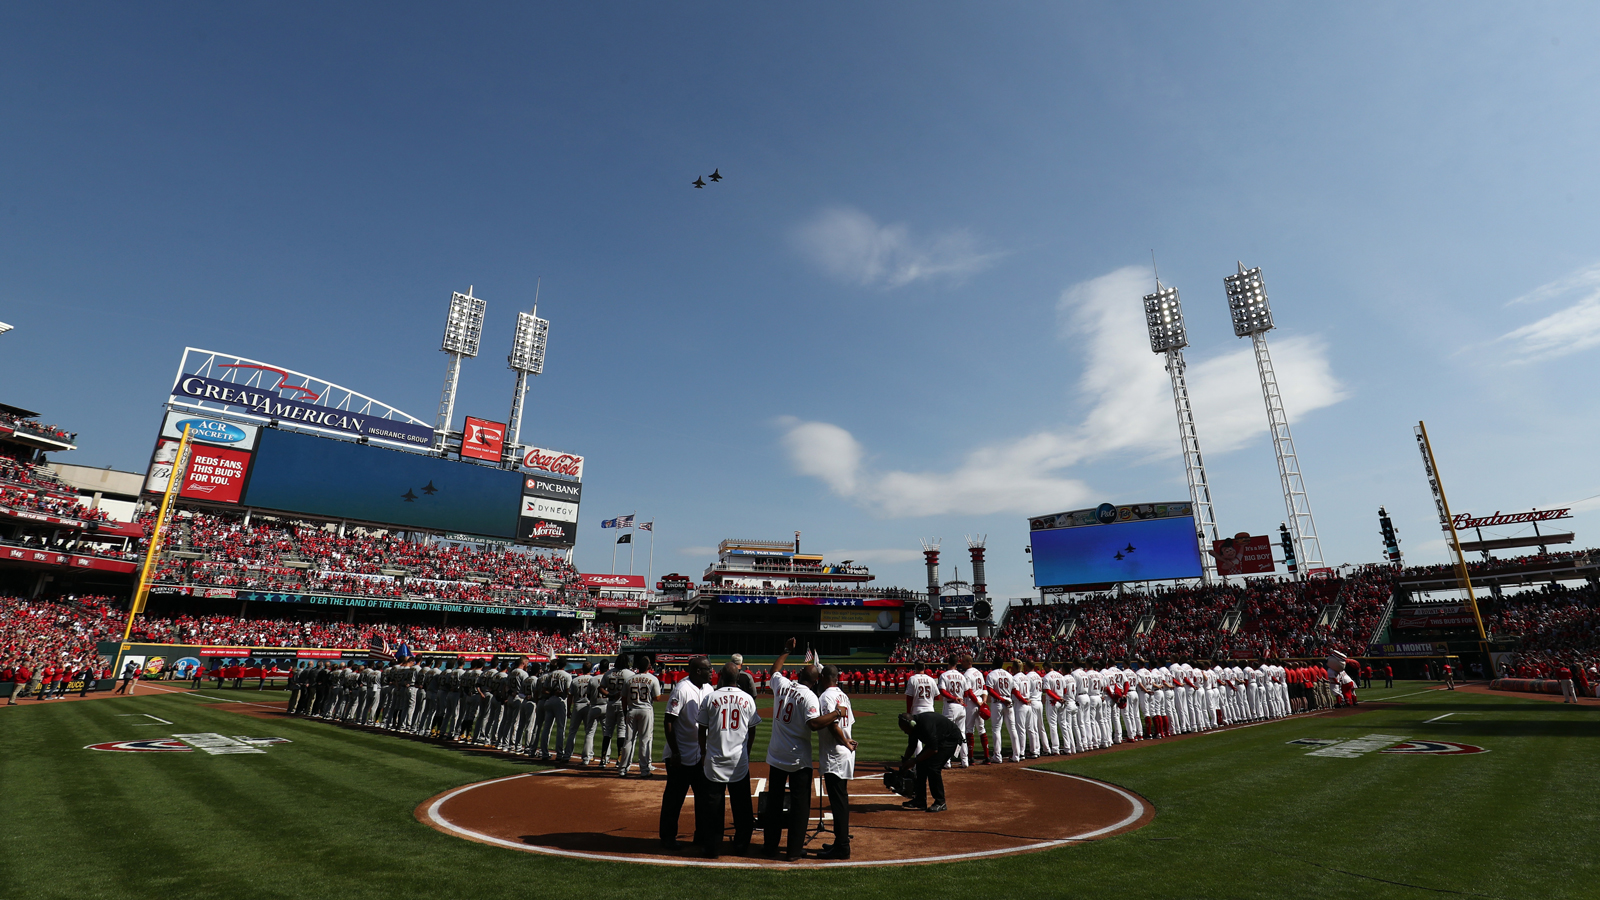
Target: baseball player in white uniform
(1058,696)
(727,719)
(952,690)
(1002,717)
(975,699)
(795,714)
(921,688)
(838,750)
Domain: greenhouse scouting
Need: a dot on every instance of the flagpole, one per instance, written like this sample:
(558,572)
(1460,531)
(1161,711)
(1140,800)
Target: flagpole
(631,536)
(613,555)
(650,572)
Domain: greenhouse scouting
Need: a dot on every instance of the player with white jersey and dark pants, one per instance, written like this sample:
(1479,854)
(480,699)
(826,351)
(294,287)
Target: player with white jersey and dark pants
(644,689)
(727,726)
(795,714)
(920,691)
(838,760)
(683,750)
(952,687)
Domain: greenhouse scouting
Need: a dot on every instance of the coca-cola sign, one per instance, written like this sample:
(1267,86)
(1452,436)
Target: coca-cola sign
(614,582)
(554,462)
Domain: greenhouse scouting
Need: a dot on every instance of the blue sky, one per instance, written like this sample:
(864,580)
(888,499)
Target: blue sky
(912,307)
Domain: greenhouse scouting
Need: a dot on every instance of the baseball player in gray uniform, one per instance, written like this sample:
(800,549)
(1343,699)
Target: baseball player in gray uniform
(450,698)
(553,710)
(518,686)
(644,689)
(578,703)
(615,690)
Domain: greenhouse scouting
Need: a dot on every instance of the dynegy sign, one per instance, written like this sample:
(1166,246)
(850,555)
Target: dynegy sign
(269,405)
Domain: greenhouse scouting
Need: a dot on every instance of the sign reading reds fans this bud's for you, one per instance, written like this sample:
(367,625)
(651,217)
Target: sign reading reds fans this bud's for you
(483,439)
(544,532)
(215,474)
(554,462)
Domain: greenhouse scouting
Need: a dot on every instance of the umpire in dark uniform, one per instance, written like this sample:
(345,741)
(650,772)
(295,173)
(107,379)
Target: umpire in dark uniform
(940,738)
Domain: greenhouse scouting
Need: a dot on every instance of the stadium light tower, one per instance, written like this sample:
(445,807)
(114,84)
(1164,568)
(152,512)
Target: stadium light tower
(1163,313)
(462,331)
(527,358)
(1252,318)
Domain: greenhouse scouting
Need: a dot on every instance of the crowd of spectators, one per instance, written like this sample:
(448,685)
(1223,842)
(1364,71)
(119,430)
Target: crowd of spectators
(43,501)
(1553,620)
(1496,565)
(17,470)
(1273,618)
(63,634)
(238,632)
(21,424)
(810,590)
(292,556)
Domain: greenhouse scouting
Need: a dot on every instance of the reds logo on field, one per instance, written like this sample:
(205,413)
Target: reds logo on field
(1436,748)
(167,746)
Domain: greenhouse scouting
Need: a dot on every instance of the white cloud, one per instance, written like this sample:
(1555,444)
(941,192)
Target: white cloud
(851,246)
(1569,330)
(1129,400)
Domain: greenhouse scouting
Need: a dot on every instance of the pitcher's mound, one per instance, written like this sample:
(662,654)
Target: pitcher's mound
(593,814)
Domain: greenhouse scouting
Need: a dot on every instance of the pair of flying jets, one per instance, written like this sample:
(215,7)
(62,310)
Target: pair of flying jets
(716,175)
(410,496)
(1124,552)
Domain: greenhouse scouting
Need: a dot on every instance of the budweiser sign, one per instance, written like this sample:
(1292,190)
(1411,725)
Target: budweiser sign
(1465,520)
(614,582)
(553,462)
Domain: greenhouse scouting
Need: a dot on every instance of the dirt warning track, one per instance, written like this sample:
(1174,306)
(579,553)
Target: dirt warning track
(994,811)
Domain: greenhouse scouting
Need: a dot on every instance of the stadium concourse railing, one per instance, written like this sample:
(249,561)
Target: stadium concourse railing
(367,601)
(176,662)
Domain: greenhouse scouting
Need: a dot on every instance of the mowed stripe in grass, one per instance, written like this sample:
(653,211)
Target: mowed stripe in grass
(1239,814)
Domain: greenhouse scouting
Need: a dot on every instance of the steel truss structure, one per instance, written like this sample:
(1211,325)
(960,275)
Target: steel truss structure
(1252,318)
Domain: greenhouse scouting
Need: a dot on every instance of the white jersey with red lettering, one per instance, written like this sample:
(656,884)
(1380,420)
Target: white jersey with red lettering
(794,705)
(921,688)
(729,717)
(837,758)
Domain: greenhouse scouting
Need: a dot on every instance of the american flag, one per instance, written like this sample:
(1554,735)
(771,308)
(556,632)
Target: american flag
(380,647)
(624,521)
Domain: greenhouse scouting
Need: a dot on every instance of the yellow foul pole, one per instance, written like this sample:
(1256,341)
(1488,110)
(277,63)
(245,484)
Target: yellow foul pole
(1449,523)
(153,552)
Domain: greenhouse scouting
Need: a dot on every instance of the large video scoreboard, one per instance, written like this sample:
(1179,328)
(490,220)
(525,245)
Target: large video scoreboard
(1087,548)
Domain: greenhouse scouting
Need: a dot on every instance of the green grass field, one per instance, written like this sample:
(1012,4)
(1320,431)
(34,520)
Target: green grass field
(1238,814)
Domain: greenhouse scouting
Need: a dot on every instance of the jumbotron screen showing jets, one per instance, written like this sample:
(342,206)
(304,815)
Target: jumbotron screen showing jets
(1108,544)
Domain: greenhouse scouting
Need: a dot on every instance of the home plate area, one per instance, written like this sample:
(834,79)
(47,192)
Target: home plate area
(994,810)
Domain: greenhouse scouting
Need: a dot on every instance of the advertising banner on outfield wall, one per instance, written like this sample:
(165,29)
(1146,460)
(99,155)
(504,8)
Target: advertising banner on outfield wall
(613,582)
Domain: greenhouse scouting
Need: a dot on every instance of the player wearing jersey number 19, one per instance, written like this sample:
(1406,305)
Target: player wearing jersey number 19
(727,723)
